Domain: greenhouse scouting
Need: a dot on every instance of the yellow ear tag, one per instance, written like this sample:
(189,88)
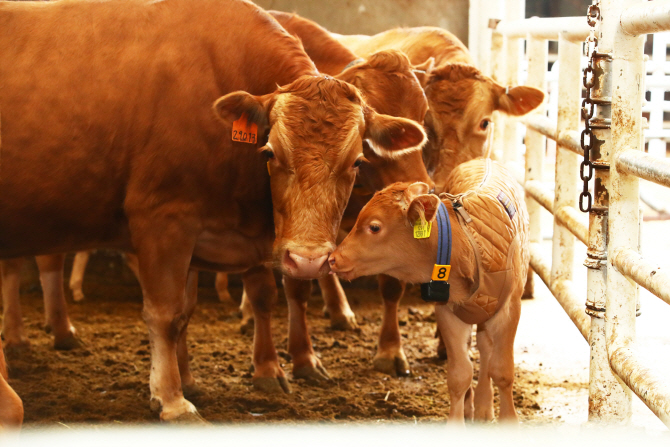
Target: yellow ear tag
(440,272)
(244,131)
(422,231)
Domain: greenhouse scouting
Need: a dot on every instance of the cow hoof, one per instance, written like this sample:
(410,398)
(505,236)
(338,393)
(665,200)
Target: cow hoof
(247,327)
(155,405)
(315,375)
(224,296)
(527,296)
(68,343)
(78,296)
(16,344)
(326,312)
(189,418)
(271,385)
(344,323)
(396,366)
(191,391)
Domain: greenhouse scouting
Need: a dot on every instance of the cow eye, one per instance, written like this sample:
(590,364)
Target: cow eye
(269,154)
(374,228)
(484,124)
(358,162)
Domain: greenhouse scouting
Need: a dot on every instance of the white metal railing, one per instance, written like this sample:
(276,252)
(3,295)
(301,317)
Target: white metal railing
(612,237)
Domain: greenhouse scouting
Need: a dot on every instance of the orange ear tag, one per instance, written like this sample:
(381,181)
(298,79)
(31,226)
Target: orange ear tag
(244,131)
(269,173)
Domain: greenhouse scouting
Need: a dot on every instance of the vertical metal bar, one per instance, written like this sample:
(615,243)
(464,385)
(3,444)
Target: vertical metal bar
(535,141)
(514,10)
(605,391)
(627,92)
(569,90)
(498,75)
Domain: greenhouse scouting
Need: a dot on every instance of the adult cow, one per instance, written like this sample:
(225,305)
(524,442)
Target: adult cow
(111,140)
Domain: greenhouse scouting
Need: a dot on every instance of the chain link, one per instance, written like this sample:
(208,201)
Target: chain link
(588,108)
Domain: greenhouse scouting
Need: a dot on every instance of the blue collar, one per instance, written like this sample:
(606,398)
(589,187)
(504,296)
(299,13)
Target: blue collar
(354,62)
(437,290)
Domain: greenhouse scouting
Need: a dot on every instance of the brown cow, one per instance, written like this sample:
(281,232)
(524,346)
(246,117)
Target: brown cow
(489,262)
(110,140)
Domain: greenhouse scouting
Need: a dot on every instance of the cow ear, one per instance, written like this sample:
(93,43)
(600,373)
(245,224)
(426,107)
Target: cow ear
(423,207)
(422,71)
(392,136)
(232,106)
(520,100)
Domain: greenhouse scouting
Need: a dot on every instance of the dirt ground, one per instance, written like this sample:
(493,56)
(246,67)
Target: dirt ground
(107,380)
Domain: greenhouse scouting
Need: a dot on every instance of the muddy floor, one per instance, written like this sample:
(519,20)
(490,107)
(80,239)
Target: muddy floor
(107,380)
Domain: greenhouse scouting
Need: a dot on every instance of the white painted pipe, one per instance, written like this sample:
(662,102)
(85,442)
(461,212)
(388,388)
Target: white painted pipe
(574,29)
(569,139)
(650,276)
(646,18)
(637,163)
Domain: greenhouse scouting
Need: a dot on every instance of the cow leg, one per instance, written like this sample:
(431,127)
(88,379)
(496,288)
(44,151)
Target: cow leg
(247,313)
(456,334)
(11,407)
(77,275)
(188,384)
(337,307)
(306,365)
(529,288)
(55,307)
(390,358)
(164,255)
(484,391)
(502,331)
(221,284)
(12,320)
(259,284)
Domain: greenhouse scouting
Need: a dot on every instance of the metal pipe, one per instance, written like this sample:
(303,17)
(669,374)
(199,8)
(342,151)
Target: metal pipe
(623,226)
(568,139)
(574,29)
(513,50)
(649,385)
(569,92)
(648,167)
(646,18)
(541,195)
(629,263)
(570,218)
(562,290)
(498,75)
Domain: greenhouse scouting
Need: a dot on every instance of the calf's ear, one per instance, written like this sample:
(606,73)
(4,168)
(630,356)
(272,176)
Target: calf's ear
(423,207)
(518,101)
(390,136)
(232,106)
(422,71)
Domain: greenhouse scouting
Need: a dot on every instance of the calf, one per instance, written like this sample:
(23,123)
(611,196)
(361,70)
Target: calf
(11,407)
(110,136)
(480,233)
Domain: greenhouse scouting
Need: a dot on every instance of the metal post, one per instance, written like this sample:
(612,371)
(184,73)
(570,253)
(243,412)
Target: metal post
(498,75)
(514,10)
(627,90)
(569,90)
(535,141)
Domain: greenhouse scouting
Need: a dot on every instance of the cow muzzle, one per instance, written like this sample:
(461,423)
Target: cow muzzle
(306,263)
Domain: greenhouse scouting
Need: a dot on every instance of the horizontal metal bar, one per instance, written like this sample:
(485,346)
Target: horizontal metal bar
(651,387)
(630,264)
(545,126)
(646,18)
(566,216)
(645,166)
(562,291)
(574,29)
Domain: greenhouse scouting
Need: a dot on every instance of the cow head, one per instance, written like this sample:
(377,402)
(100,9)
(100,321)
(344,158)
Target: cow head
(390,86)
(315,129)
(461,103)
(382,240)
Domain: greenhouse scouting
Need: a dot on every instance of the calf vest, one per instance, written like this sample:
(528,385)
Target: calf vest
(489,207)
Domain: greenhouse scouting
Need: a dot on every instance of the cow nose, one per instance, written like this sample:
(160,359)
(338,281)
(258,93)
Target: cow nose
(306,266)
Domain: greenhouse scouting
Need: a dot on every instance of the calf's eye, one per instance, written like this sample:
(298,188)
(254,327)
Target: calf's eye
(484,124)
(358,162)
(269,154)
(374,228)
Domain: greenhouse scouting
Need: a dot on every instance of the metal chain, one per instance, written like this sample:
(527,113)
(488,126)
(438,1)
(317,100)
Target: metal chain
(588,109)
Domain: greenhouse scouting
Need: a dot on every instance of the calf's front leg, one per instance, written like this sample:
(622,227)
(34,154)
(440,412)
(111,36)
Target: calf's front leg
(390,358)
(12,319)
(11,407)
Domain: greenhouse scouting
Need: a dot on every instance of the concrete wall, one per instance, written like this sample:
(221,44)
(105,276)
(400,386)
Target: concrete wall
(373,16)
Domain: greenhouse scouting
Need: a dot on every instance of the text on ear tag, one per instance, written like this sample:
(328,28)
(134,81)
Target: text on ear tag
(244,131)
(440,272)
(422,231)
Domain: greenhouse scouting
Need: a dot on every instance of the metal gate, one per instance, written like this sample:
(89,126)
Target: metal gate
(613,39)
